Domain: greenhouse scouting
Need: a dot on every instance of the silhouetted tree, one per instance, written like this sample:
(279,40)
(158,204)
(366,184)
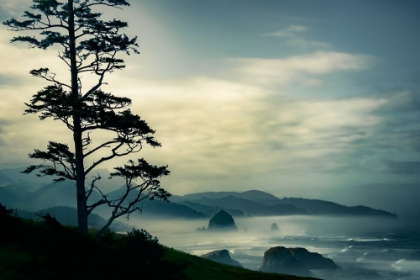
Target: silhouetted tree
(6,212)
(89,44)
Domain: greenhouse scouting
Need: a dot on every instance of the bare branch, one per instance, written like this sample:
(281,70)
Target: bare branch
(104,145)
(47,75)
(113,155)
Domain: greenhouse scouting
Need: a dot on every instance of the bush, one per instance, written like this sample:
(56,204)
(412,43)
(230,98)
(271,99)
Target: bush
(58,252)
(5,212)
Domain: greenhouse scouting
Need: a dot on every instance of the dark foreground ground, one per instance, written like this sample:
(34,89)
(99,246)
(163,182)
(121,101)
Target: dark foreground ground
(48,250)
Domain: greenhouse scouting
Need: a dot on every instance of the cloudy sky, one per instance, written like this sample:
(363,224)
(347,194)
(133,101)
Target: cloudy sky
(297,97)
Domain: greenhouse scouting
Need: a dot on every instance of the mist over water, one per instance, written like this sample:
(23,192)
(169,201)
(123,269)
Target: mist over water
(366,248)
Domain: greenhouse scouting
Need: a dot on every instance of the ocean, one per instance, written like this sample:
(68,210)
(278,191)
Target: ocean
(365,248)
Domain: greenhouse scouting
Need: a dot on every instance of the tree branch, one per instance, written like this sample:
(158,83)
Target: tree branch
(104,145)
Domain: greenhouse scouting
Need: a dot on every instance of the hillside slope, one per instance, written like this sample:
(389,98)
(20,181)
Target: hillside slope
(28,250)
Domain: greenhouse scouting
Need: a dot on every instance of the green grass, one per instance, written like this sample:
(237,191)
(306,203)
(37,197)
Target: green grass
(11,259)
(46,250)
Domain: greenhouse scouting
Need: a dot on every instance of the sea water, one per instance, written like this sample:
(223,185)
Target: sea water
(365,248)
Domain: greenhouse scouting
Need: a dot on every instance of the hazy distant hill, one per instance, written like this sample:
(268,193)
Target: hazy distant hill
(7,198)
(16,174)
(321,207)
(260,203)
(25,195)
(32,193)
(160,209)
(251,208)
(210,211)
(22,187)
(214,195)
(52,195)
(246,202)
(5,180)
(256,195)
(106,184)
(68,216)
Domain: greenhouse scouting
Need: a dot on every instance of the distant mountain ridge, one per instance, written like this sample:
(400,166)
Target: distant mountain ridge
(34,197)
(212,210)
(260,203)
(31,193)
(5,180)
(68,216)
(322,207)
(252,208)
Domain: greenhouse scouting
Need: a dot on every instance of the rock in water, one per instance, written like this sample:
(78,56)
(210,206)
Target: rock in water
(221,256)
(274,227)
(203,229)
(313,260)
(222,221)
(280,259)
(295,261)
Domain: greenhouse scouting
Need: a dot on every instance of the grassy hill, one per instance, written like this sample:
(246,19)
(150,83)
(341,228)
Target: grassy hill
(47,250)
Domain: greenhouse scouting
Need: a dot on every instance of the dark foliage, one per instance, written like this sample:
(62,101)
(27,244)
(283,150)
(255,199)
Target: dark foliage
(7,213)
(58,252)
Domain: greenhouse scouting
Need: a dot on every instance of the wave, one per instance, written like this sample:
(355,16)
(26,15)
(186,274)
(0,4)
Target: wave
(346,249)
(368,239)
(362,258)
(407,265)
(398,264)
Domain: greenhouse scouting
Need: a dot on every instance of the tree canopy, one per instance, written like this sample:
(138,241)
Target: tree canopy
(88,44)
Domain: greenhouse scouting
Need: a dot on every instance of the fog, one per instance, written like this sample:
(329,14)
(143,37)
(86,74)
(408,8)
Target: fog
(292,225)
(365,248)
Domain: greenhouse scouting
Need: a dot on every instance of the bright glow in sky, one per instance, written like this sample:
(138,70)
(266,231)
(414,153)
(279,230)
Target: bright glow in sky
(293,97)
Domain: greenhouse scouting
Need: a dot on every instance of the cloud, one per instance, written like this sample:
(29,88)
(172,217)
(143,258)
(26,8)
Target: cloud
(220,128)
(316,134)
(293,36)
(303,69)
(402,102)
(288,32)
(235,126)
(405,167)
(303,43)
(232,125)
(242,122)
(11,9)
(254,123)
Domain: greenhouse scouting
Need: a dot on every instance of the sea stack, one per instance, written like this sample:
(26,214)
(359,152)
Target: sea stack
(274,227)
(222,221)
(294,261)
(221,256)
(313,260)
(280,260)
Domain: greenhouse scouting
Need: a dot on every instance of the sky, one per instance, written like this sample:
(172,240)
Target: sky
(316,99)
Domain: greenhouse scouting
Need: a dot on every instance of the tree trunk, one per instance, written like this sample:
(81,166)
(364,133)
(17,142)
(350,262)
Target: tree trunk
(104,228)
(82,214)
